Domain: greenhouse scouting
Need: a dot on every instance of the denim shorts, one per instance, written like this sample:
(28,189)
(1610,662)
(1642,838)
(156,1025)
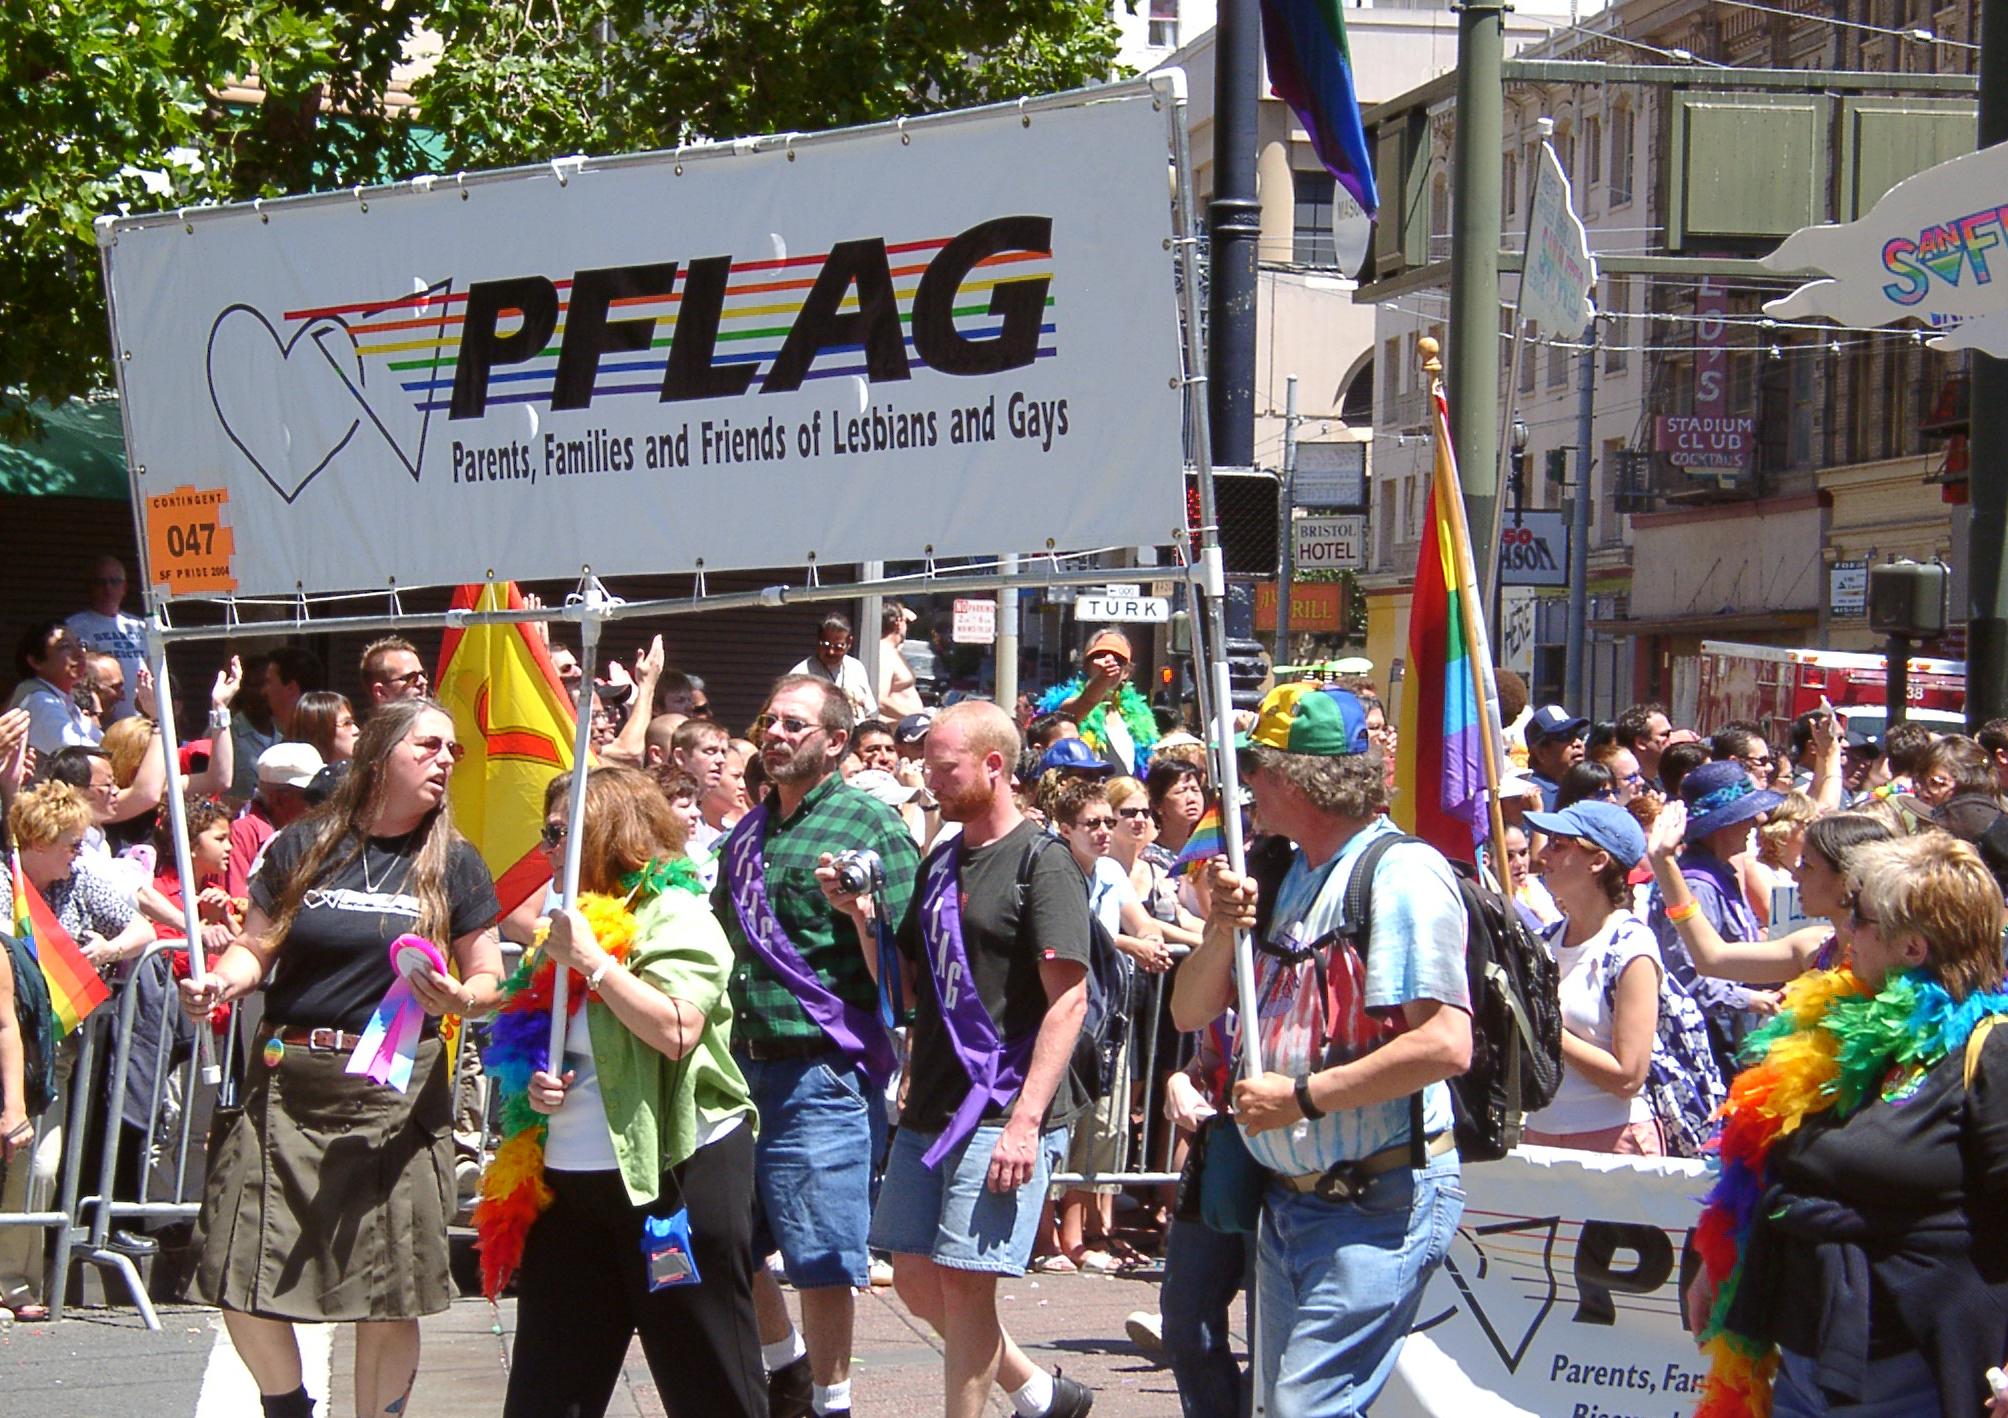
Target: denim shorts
(1340,1284)
(949,1214)
(820,1127)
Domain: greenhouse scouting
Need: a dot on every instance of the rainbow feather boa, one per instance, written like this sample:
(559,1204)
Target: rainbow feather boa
(513,1193)
(1831,1046)
(1136,715)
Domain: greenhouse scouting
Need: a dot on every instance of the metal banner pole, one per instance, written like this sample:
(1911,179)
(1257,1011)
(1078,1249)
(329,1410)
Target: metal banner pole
(591,615)
(177,816)
(1211,581)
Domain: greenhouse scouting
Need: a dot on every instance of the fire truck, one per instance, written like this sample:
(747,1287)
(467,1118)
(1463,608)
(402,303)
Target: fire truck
(1770,686)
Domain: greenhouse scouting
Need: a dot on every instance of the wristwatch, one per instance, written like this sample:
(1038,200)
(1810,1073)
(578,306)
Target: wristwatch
(1304,1104)
(593,980)
(219,720)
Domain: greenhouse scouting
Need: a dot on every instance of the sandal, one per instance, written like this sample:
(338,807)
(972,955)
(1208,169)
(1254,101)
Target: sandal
(1057,1263)
(28,1314)
(1096,1262)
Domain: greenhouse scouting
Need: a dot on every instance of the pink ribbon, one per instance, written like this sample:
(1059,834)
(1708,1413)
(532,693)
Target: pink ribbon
(389,1045)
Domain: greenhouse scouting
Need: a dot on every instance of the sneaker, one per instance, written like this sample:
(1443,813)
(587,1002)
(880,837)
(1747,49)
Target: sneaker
(791,1390)
(1146,1331)
(1071,1397)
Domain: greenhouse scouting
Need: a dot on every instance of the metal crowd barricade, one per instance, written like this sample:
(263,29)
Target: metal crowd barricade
(83,1220)
(1154,1052)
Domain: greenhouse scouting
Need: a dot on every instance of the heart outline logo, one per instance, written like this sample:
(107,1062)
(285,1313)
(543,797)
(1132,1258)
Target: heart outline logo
(285,349)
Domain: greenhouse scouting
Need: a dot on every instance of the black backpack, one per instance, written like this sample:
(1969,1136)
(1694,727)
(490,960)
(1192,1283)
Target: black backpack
(1105,1028)
(36,1018)
(1516,1012)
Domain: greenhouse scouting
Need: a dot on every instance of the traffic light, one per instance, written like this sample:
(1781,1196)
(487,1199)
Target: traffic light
(1558,465)
(1245,502)
(1247,672)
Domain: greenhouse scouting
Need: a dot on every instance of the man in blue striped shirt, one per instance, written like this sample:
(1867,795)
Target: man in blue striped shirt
(1359,1210)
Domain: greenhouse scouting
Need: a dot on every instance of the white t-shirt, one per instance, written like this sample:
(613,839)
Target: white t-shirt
(54,720)
(579,1140)
(121,636)
(850,678)
(1587,969)
(1109,890)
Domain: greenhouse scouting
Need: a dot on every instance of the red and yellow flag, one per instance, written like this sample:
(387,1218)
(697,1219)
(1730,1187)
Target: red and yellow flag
(75,988)
(511,715)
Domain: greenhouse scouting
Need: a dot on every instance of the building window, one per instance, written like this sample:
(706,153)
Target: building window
(1439,216)
(1617,303)
(1558,365)
(1390,378)
(1623,128)
(1593,150)
(1509,187)
(1530,354)
(1312,243)
(1163,24)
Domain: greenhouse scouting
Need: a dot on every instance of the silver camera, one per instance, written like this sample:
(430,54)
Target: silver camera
(860,872)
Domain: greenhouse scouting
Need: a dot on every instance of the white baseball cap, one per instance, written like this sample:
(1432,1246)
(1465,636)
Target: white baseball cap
(289,765)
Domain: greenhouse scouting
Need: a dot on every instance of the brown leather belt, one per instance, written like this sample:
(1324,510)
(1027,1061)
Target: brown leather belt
(1348,1179)
(316,1040)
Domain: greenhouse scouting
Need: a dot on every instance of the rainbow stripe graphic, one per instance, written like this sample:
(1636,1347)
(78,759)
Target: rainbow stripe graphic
(75,989)
(1450,708)
(1207,841)
(415,339)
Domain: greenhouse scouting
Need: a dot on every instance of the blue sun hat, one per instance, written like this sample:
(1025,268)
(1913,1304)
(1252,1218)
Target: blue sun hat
(1603,825)
(1720,795)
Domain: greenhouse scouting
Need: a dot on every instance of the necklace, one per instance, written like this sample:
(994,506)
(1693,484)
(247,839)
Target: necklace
(369,883)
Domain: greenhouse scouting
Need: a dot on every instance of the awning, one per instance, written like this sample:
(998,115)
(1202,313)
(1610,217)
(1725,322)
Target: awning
(1719,624)
(81,453)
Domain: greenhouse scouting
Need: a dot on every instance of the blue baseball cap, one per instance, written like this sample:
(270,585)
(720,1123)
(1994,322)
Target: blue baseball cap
(1074,756)
(1601,824)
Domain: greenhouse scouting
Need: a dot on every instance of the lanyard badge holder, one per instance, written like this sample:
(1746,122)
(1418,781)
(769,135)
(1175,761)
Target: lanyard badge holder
(668,1258)
(665,1250)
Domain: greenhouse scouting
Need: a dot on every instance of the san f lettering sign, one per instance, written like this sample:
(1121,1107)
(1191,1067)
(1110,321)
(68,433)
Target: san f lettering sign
(1534,549)
(957,335)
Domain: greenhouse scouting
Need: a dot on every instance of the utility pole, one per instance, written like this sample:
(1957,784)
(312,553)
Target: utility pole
(1474,262)
(1004,677)
(1286,552)
(1234,228)
(1987,544)
(1575,659)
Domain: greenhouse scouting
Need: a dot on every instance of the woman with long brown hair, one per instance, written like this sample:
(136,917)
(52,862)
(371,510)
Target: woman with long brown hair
(328,1198)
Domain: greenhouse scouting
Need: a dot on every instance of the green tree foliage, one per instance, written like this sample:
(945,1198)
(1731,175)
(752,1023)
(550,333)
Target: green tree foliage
(120,106)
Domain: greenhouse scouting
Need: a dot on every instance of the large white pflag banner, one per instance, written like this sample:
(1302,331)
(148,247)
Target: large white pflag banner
(954,336)
(1561,1294)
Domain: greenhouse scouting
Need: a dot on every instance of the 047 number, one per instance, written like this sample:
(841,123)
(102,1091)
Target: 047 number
(196,539)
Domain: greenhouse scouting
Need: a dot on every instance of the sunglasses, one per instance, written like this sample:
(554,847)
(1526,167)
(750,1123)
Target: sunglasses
(701,711)
(416,679)
(433,746)
(1097,824)
(553,836)
(787,723)
(1131,814)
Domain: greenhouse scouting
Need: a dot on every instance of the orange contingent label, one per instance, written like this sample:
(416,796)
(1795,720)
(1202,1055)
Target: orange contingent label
(188,546)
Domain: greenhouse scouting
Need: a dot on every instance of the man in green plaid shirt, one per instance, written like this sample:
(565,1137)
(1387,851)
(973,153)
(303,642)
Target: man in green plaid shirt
(822,1120)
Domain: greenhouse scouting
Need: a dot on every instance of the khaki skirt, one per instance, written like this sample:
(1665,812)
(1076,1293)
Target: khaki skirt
(329,1196)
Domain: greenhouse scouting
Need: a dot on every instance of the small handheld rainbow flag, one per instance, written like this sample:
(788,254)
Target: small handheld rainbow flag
(1207,841)
(75,989)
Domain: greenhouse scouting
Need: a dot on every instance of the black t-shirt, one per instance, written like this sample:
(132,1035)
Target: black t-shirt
(334,965)
(1943,1148)
(1003,965)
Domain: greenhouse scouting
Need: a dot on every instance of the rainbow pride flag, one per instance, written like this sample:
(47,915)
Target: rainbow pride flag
(75,989)
(1206,842)
(1450,705)
(1311,69)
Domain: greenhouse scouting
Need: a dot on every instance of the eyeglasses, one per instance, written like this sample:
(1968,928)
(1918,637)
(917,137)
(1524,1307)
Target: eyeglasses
(415,680)
(1097,824)
(433,746)
(1131,814)
(839,644)
(787,723)
(553,836)
(701,710)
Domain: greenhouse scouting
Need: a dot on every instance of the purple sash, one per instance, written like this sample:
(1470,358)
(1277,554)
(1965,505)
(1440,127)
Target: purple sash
(996,1067)
(853,1032)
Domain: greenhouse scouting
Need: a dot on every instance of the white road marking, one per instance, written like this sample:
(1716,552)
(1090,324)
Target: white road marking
(229,1391)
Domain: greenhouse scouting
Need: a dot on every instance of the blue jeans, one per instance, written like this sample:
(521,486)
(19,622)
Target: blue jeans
(1203,1270)
(821,1127)
(1341,1284)
(1901,1386)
